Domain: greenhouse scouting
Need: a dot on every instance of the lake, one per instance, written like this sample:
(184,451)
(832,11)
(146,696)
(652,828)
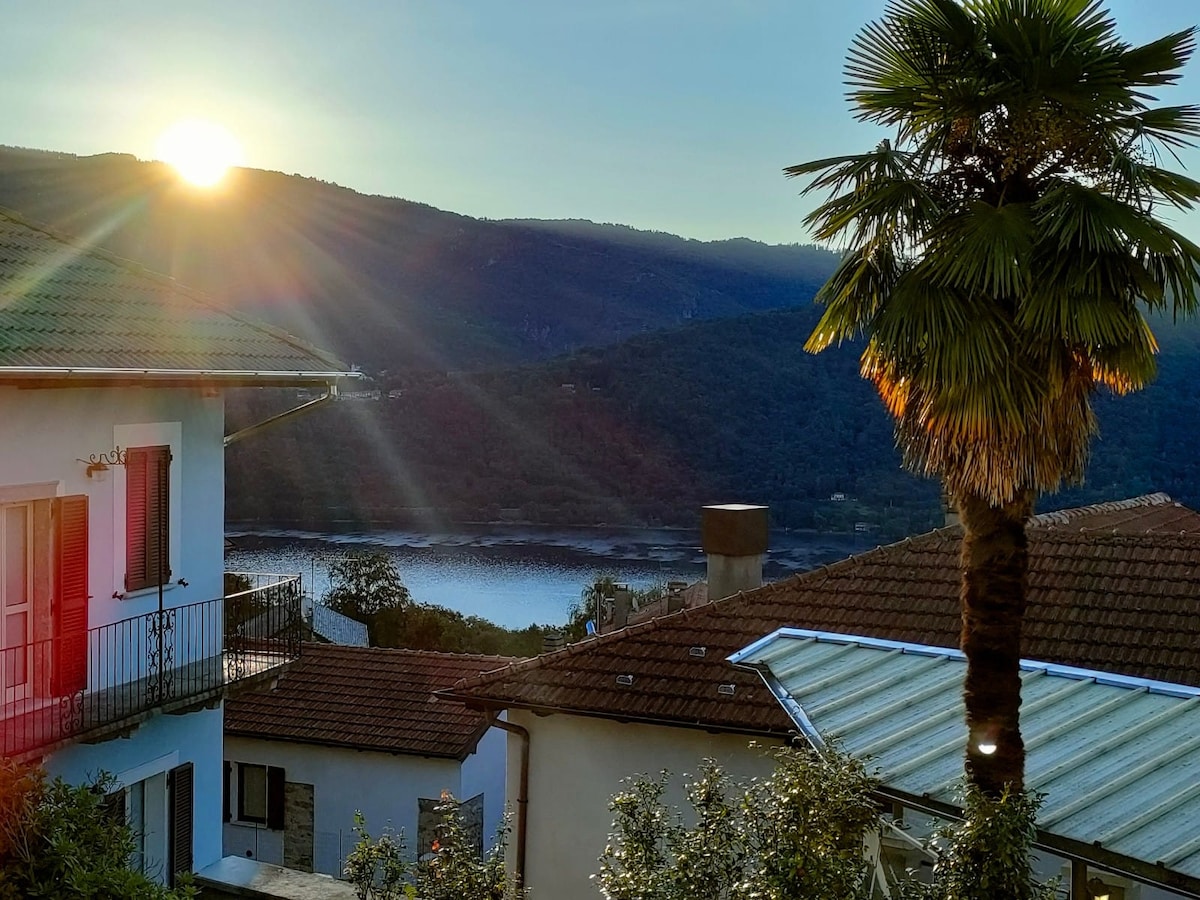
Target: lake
(513,575)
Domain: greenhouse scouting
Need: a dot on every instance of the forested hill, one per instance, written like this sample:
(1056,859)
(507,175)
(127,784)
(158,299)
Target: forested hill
(643,432)
(393,285)
(651,429)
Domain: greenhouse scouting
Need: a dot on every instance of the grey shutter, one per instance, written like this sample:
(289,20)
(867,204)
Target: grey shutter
(179,834)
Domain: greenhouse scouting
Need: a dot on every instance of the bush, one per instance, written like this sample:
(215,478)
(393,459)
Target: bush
(62,841)
(380,870)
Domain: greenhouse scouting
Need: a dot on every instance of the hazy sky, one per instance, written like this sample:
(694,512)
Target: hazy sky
(675,115)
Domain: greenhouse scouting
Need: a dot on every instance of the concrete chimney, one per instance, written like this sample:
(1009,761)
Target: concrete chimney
(734,537)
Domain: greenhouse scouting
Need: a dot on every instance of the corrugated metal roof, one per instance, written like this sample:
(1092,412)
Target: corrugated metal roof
(68,309)
(1117,757)
(338,629)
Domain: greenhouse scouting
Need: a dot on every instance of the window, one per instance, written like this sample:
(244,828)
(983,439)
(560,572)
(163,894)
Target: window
(147,517)
(43,578)
(260,795)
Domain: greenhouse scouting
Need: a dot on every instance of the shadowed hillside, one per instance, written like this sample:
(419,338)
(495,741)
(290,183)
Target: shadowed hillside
(399,286)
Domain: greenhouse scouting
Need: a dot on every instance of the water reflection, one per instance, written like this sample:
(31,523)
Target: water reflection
(515,576)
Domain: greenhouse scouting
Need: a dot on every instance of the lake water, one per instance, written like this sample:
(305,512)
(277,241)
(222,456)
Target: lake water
(516,576)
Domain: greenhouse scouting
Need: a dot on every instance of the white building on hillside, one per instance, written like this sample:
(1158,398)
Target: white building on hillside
(117,642)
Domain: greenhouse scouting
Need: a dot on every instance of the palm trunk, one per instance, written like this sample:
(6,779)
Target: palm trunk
(995,567)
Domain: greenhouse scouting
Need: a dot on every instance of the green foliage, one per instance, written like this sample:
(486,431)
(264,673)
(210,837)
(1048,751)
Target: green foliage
(363,584)
(798,833)
(1002,249)
(380,869)
(61,841)
(987,854)
(427,626)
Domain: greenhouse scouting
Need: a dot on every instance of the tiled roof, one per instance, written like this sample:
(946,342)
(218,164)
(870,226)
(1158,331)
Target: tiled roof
(68,307)
(1124,600)
(367,699)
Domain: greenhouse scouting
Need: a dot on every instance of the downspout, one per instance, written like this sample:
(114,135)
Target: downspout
(522,790)
(331,391)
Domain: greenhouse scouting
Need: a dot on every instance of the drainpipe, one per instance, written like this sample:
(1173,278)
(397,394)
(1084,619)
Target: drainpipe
(330,392)
(522,791)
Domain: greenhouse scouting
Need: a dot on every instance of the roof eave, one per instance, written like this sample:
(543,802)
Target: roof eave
(490,703)
(47,376)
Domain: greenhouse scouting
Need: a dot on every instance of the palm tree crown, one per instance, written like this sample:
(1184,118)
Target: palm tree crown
(999,251)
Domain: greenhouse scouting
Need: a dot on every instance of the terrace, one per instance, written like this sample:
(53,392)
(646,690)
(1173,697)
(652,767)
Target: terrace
(97,684)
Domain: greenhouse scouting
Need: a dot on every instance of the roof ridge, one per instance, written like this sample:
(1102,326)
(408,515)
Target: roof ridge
(1065,516)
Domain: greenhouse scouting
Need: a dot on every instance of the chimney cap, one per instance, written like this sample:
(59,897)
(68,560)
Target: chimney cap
(734,529)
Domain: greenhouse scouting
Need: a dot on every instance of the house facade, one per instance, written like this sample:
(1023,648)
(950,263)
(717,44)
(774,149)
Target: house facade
(356,730)
(1112,588)
(117,639)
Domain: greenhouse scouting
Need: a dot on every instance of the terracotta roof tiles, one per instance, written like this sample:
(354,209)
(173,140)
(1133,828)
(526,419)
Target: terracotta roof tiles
(1111,588)
(367,699)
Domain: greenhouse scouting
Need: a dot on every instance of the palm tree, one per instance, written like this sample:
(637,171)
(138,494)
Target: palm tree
(1000,252)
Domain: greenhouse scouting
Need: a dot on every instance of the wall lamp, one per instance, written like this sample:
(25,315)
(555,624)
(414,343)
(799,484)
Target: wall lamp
(101,462)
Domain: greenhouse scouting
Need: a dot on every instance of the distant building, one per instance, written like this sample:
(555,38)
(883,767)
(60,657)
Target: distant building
(357,729)
(1113,588)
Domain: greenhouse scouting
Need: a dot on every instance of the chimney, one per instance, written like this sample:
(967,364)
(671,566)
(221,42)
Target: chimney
(734,537)
(553,640)
(622,604)
(949,509)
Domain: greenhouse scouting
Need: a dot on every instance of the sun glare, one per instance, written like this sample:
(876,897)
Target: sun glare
(200,151)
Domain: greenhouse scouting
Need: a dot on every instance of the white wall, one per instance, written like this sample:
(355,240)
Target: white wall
(46,432)
(385,787)
(576,764)
(160,744)
(484,772)
(44,435)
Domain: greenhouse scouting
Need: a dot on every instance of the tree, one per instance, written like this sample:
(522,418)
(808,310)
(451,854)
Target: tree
(364,583)
(998,257)
(798,833)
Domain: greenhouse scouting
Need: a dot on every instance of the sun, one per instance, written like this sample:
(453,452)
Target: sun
(200,151)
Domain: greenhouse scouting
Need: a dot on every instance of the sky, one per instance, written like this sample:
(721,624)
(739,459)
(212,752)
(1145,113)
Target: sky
(669,115)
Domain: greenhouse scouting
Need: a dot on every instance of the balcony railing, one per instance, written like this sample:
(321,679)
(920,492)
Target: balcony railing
(88,685)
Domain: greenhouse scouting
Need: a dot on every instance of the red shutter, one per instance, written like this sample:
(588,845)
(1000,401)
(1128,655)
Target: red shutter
(147,516)
(70,609)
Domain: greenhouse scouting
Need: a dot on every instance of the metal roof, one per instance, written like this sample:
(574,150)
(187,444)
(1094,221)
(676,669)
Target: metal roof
(1117,757)
(69,311)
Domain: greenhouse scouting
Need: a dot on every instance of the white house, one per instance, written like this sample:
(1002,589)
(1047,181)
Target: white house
(357,729)
(117,642)
(1112,588)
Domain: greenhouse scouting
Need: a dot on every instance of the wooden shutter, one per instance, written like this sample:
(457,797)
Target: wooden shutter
(275,792)
(70,608)
(147,516)
(179,831)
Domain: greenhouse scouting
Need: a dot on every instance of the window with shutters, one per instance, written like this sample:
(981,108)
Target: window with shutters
(147,517)
(260,794)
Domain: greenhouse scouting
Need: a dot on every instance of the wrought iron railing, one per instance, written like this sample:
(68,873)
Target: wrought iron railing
(79,685)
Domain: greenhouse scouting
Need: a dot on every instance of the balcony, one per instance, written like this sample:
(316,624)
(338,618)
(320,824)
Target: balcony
(171,661)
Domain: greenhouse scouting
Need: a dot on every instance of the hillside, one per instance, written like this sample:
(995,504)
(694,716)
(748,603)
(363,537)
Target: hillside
(647,431)
(643,432)
(393,285)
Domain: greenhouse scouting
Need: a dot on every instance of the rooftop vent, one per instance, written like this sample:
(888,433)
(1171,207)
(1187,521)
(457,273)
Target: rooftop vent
(625,680)
(726,689)
(697,651)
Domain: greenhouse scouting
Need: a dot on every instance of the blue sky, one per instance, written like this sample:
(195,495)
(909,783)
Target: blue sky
(675,115)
